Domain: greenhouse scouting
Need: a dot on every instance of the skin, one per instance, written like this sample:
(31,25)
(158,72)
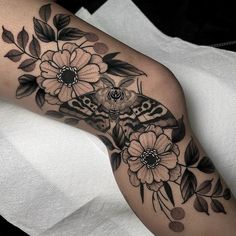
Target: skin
(159,84)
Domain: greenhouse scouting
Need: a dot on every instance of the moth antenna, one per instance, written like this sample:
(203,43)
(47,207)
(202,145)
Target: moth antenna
(139,86)
(126,82)
(108,81)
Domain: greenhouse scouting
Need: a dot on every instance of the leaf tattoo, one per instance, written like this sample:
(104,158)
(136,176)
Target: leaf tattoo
(169,193)
(107,142)
(218,188)
(206,165)
(40,97)
(115,160)
(201,205)
(69,34)
(23,38)
(217,206)
(14,55)
(34,47)
(54,114)
(120,68)
(28,65)
(191,154)
(43,31)
(60,21)
(45,12)
(204,187)
(188,185)
(7,36)
(179,133)
(119,136)
(71,121)
(27,85)
(141,189)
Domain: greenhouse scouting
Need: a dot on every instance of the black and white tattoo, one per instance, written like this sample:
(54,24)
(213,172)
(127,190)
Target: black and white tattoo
(77,76)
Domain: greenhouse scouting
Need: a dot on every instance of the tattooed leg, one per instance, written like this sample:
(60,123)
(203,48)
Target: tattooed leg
(68,70)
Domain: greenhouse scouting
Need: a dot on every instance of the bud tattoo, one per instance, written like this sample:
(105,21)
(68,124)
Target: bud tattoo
(77,78)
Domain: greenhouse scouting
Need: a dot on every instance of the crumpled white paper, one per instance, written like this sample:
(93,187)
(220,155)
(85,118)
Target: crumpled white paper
(57,180)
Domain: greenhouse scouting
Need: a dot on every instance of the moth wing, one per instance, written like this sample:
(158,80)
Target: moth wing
(86,107)
(80,107)
(148,110)
(100,119)
(129,120)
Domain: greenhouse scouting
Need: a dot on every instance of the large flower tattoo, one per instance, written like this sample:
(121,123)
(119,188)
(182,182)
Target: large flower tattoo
(69,72)
(152,158)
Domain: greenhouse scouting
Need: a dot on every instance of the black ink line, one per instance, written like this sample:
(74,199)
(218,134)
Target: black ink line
(57,42)
(138,86)
(37,58)
(83,43)
(141,87)
(193,167)
(153,199)
(163,202)
(163,195)
(163,209)
(176,183)
(89,46)
(210,196)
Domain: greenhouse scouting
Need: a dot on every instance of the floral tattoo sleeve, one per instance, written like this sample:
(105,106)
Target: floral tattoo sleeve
(77,77)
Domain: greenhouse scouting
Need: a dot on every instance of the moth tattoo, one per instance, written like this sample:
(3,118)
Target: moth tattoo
(85,83)
(113,104)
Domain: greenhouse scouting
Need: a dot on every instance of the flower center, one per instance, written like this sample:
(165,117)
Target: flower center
(68,75)
(150,158)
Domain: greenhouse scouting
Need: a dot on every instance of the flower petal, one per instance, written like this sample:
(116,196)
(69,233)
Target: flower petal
(125,155)
(134,136)
(51,85)
(175,173)
(53,100)
(47,56)
(135,148)
(168,148)
(135,165)
(81,58)
(160,173)
(156,129)
(147,139)
(65,93)
(150,128)
(175,149)
(39,81)
(69,46)
(96,59)
(133,178)
(89,73)
(162,142)
(82,87)
(61,58)
(48,71)
(168,160)
(154,186)
(145,175)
